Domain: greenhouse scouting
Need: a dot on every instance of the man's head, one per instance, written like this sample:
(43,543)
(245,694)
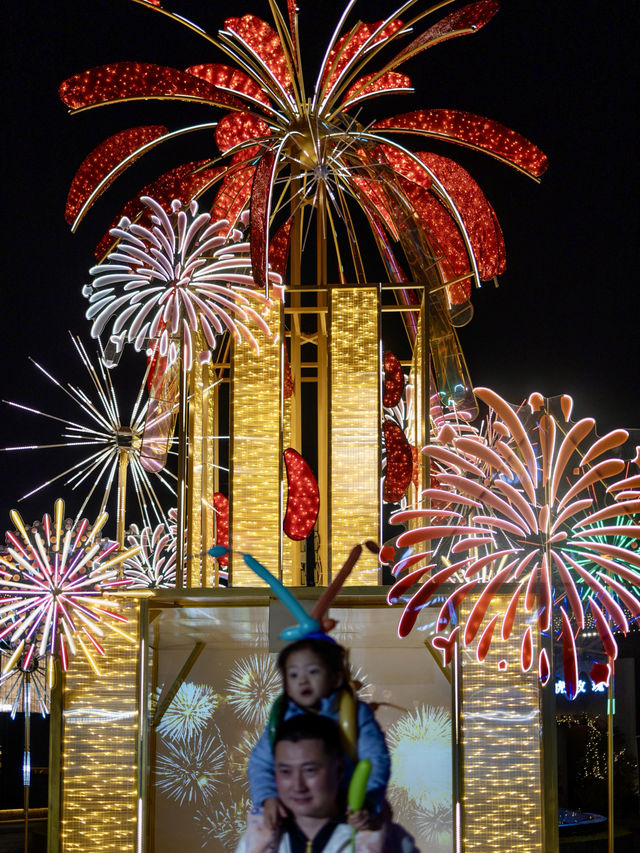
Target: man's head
(308,766)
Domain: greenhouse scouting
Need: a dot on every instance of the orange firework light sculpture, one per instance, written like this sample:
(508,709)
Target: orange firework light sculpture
(537,505)
(283,144)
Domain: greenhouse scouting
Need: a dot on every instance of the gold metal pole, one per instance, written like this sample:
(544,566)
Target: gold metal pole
(123,464)
(183,459)
(611,708)
(26,756)
(324,577)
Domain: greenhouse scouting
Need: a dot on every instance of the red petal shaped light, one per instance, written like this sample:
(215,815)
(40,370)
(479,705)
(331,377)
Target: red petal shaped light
(303,497)
(348,46)
(182,183)
(124,81)
(235,128)
(102,160)
(477,214)
(233,196)
(380,84)
(465,21)
(472,131)
(265,43)
(393,380)
(261,187)
(399,462)
(221,507)
(225,77)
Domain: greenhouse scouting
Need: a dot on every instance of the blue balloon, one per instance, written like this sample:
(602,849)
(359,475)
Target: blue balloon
(218,551)
(305,623)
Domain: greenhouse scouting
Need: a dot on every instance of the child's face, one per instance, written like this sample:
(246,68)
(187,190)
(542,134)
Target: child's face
(307,679)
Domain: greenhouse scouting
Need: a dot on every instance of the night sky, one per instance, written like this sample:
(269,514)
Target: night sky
(564,74)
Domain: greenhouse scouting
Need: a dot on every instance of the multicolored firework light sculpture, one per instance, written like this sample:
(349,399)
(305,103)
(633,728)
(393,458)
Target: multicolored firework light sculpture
(536,507)
(284,144)
(50,576)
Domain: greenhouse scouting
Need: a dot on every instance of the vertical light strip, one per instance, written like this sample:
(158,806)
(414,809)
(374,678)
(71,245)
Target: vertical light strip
(419,423)
(354,358)
(206,499)
(99,777)
(256,456)
(196,459)
(500,734)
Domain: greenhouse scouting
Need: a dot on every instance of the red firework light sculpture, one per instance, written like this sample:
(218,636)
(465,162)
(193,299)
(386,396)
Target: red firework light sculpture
(532,508)
(283,143)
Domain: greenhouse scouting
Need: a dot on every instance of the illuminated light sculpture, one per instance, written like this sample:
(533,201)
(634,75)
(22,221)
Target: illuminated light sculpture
(50,581)
(399,462)
(394,381)
(186,273)
(153,566)
(535,498)
(278,124)
(303,497)
(113,446)
(255,457)
(221,508)
(24,687)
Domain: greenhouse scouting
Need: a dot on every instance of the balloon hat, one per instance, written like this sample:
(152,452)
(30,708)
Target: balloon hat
(316,623)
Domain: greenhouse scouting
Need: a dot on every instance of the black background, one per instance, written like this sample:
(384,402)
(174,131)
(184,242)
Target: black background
(564,74)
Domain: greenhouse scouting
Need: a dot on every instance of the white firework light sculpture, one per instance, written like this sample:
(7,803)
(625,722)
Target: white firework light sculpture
(106,440)
(24,686)
(52,577)
(535,513)
(186,273)
(154,564)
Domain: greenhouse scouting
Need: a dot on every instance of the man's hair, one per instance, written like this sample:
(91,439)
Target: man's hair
(333,656)
(311,727)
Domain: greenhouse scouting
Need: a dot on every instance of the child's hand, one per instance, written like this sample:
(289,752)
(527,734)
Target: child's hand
(273,812)
(360,820)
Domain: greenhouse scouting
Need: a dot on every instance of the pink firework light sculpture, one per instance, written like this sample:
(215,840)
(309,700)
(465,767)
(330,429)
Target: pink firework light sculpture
(283,144)
(535,508)
(52,575)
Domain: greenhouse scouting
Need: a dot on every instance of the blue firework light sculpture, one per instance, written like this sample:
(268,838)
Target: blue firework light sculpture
(539,506)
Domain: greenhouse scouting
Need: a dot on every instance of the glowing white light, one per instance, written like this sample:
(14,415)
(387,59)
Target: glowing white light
(183,274)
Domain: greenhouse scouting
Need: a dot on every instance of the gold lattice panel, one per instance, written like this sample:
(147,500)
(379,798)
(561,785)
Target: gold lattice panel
(256,456)
(501,744)
(200,529)
(354,358)
(99,745)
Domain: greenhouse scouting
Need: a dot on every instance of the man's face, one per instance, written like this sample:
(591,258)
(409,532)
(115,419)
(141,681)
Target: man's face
(307,778)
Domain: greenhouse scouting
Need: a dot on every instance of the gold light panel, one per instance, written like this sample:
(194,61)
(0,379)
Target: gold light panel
(501,745)
(354,492)
(419,425)
(99,746)
(200,527)
(256,456)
